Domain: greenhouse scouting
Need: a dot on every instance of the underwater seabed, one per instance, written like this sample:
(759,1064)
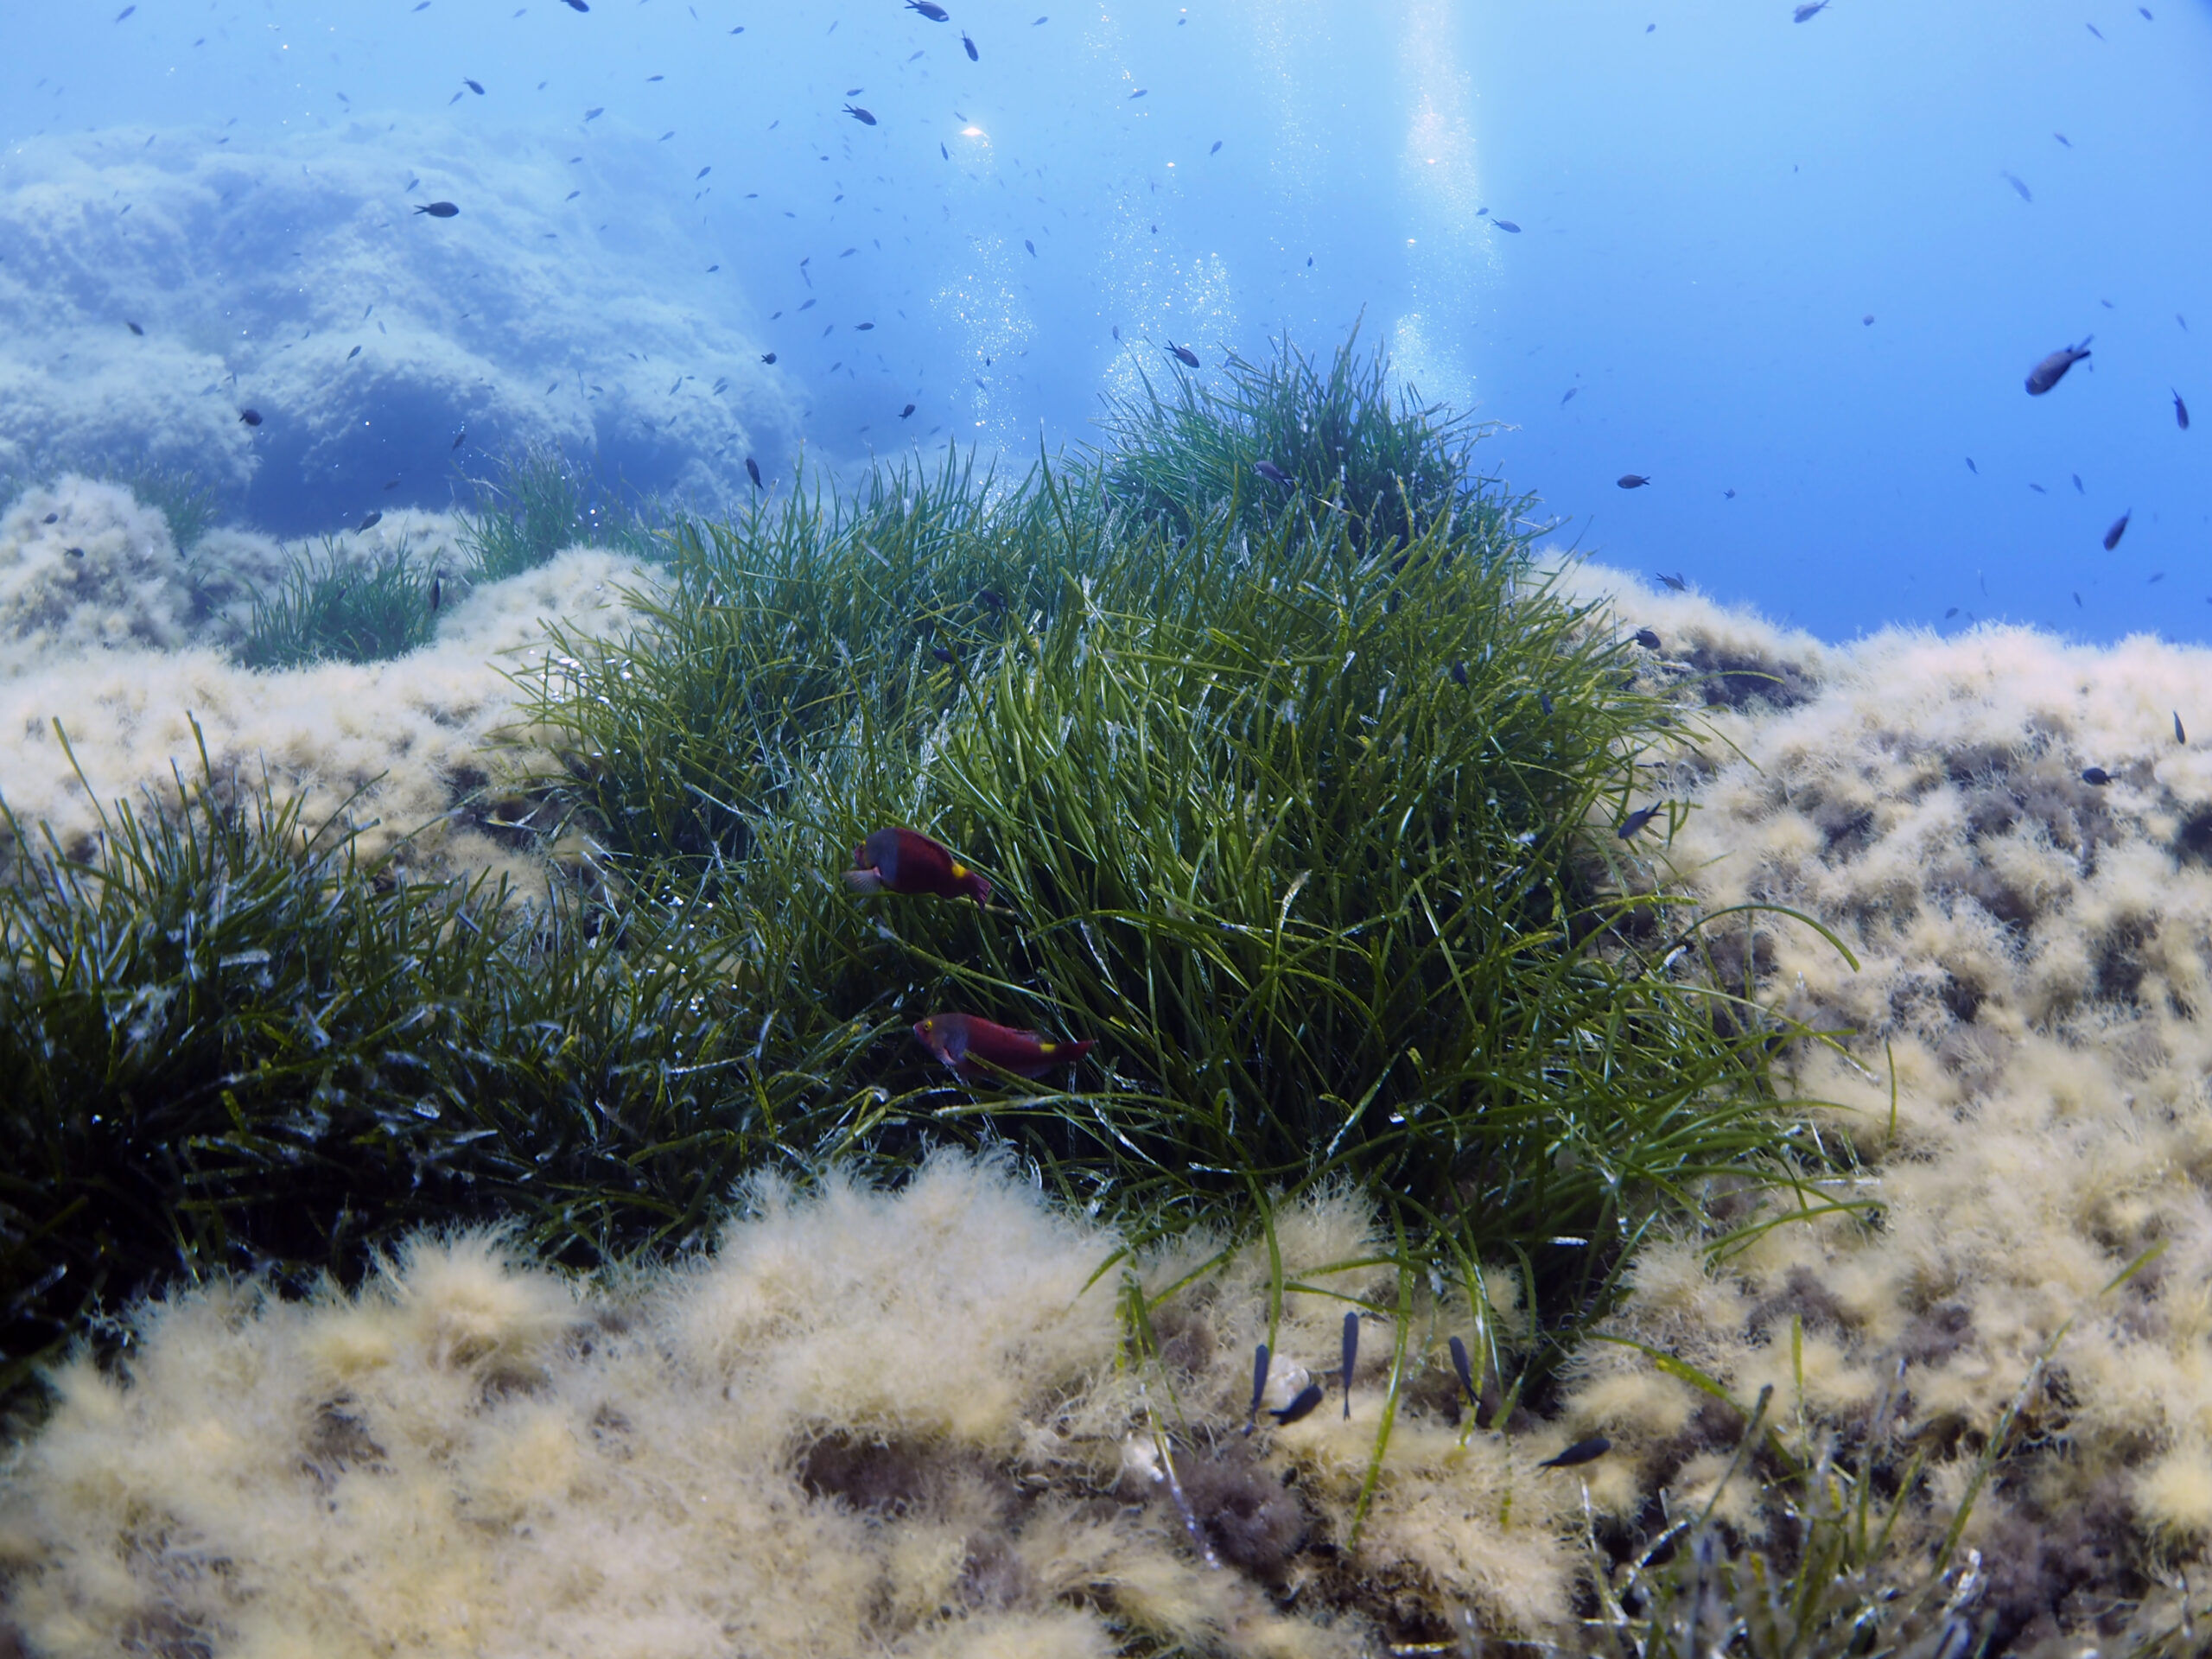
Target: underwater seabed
(1833,1144)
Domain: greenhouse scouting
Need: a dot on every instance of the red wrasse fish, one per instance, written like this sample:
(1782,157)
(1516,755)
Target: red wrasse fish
(972,1046)
(906,861)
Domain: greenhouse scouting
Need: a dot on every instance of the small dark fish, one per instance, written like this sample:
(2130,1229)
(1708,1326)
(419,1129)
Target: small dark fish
(2078,490)
(703,173)
(1812,8)
(475,86)
(2180,736)
(1646,638)
(753,469)
(2016,184)
(943,151)
(1459,672)
(1031,247)
(2038,489)
(1674,582)
(1310,1395)
(2094,30)
(1506,226)
(1630,825)
(1971,467)
(1272,473)
(2096,777)
(51,518)
(859,115)
(461,436)
(438,209)
(2119,528)
(2063,139)
(1139,92)
(572,195)
(74,552)
(1866,322)
(251,417)
(1185,355)
(594,113)
(944,655)
(935,13)
(677,386)
(1259,1384)
(2077,602)
(2181,412)
(134,328)
(1466,1371)
(369,523)
(974,56)
(578,5)
(1544,700)
(1948,615)
(862,328)
(1631,481)
(1730,494)
(990,599)
(1596,1445)
(768,357)
(905,412)
(125,13)
(351,355)
(437,592)
(1350,1356)
(1569,398)
(2143,12)
(2052,369)
(1216,150)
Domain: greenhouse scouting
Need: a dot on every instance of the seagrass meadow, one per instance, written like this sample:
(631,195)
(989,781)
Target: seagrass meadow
(492,1200)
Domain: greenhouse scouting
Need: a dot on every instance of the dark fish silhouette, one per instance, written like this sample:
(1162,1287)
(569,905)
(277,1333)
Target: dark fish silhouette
(768,357)
(974,56)
(251,417)
(437,591)
(1634,822)
(594,113)
(1272,473)
(1812,8)
(2078,488)
(1466,1371)
(990,599)
(1216,150)
(475,86)
(438,209)
(1506,226)
(2181,412)
(752,468)
(1031,247)
(1674,582)
(1631,481)
(1596,1445)
(1646,638)
(1569,398)
(2119,528)
(859,115)
(1259,1384)
(2016,184)
(1350,1356)
(578,5)
(134,328)
(1185,355)
(351,355)
(1459,672)
(975,1048)
(2180,736)
(461,436)
(862,328)
(369,523)
(1867,321)
(2094,30)
(1311,1395)
(2052,369)
(905,412)
(2096,776)
(935,13)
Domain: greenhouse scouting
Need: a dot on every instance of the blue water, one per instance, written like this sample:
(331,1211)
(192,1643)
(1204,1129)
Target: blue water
(1711,198)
